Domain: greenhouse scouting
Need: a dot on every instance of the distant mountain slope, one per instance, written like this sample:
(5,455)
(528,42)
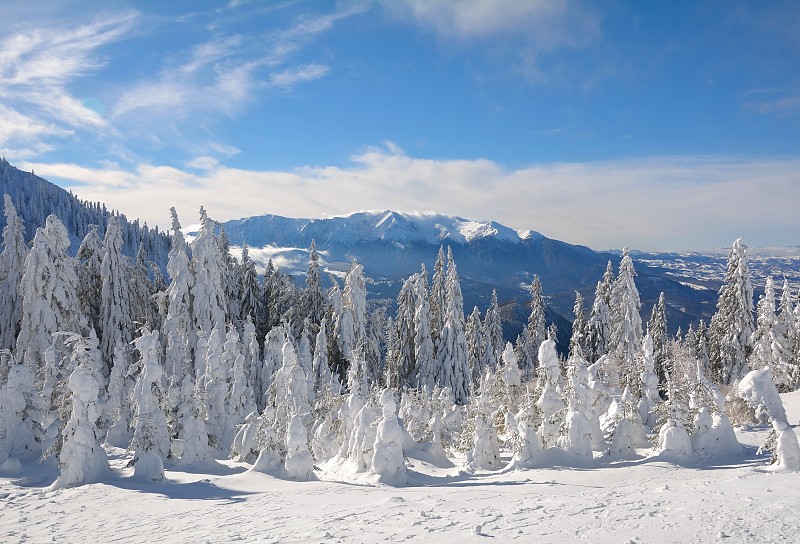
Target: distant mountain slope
(392,245)
(35,198)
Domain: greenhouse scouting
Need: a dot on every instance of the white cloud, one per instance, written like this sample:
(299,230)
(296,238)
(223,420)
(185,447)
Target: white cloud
(661,203)
(524,35)
(545,24)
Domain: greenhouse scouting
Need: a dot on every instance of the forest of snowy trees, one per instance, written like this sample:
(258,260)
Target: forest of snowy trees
(217,361)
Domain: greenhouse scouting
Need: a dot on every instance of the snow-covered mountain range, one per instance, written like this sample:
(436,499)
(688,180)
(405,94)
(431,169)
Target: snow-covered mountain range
(392,245)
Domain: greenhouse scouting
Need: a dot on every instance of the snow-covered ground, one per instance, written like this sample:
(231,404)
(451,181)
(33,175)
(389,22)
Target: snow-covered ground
(643,500)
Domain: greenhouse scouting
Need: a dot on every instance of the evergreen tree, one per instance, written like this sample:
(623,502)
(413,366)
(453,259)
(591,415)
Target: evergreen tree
(626,326)
(215,385)
(116,326)
(12,261)
(476,345)
(252,296)
(657,329)
(142,291)
(89,272)
(314,294)
(599,324)
(770,347)
(405,361)
(426,366)
(373,346)
(494,331)
(49,295)
(732,325)
(209,304)
(536,323)
(438,294)
(578,343)
(151,438)
(354,298)
(453,371)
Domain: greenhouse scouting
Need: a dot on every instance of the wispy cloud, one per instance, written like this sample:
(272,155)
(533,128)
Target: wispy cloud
(647,203)
(525,33)
(780,102)
(37,65)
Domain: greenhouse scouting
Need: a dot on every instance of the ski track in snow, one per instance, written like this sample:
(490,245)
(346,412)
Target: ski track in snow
(640,501)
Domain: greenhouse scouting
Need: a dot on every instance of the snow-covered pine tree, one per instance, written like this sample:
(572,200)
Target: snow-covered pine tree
(626,327)
(650,395)
(116,325)
(476,346)
(151,437)
(424,377)
(374,344)
(240,401)
(388,462)
(494,330)
(550,402)
(178,327)
(252,296)
(354,298)
(49,295)
(578,342)
(732,325)
(82,459)
(12,262)
(89,272)
(313,298)
(599,324)
(22,412)
(536,321)
(453,371)
(232,294)
(770,347)
(438,295)
(143,291)
(404,324)
(215,384)
(657,329)
(209,304)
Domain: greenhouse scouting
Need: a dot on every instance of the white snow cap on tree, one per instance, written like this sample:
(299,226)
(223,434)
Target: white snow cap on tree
(82,459)
(758,389)
(387,460)
(12,262)
(49,293)
(299,463)
(151,440)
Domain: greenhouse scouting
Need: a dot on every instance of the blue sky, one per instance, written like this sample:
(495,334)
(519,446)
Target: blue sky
(656,125)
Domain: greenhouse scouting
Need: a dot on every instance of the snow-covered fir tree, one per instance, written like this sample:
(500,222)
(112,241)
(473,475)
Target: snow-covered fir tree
(209,303)
(151,438)
(313,299)
(732,326)
(12,262)
(578,343)
(657,329)
(116,323)
(599,323)
(82,459)
(426,365)
(537,329)
(626,327)
(438,294)
(453,372)
(771,348)
(493,329)
(89,272)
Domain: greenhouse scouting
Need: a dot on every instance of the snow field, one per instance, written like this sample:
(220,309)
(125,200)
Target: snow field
(647,499)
